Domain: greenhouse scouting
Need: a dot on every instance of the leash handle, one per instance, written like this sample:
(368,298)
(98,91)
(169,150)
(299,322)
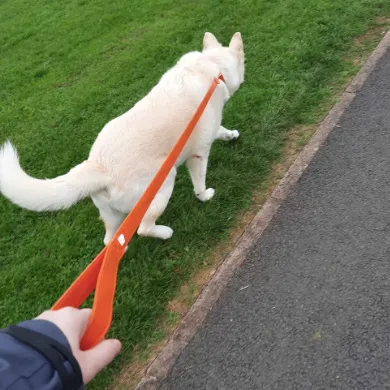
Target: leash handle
(102,272)
(83,286)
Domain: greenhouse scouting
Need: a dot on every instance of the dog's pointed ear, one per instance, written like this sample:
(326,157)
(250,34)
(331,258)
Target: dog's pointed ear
(236,43)
(210,42)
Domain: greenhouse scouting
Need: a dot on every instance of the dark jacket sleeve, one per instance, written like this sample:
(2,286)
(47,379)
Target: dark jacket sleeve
(23,368)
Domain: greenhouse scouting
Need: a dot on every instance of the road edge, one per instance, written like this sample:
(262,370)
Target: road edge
(160,367)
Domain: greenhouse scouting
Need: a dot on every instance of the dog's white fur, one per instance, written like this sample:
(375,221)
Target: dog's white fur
(129,150)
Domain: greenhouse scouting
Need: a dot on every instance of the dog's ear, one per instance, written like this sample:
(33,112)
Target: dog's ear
(236,43)
(210,42)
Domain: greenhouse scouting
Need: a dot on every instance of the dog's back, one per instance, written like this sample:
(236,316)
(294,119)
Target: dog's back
(143,136)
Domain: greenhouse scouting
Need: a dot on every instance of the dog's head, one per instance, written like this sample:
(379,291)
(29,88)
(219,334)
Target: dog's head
(230,59)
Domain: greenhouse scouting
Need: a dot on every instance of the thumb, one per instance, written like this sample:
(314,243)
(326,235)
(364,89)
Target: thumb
(96,358)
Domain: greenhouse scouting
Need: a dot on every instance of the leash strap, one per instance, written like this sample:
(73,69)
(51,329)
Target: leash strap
(101,273)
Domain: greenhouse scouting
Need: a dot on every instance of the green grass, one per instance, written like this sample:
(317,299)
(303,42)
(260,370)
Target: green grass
(67,67)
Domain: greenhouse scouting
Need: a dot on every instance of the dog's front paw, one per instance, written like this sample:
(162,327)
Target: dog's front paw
(163,232)
(156,231)
(234,134)
(206,195)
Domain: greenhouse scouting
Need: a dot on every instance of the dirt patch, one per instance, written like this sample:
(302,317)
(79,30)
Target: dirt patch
(383,20)
(363,41)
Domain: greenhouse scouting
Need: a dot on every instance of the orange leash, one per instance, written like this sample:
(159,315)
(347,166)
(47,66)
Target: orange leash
(101,274)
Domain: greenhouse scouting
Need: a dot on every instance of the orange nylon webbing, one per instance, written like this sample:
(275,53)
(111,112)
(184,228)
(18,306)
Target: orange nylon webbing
(101,274)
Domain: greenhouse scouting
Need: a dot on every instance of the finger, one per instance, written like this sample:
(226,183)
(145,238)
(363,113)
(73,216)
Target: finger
(95,359)
(73,322)
(77,327)
(82,321)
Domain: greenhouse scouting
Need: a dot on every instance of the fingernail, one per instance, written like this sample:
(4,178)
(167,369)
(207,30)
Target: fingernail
(117,343)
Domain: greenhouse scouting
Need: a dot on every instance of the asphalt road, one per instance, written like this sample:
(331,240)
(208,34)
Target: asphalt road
(310,306)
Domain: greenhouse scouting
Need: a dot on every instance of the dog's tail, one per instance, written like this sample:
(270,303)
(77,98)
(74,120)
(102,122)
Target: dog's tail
(52,194)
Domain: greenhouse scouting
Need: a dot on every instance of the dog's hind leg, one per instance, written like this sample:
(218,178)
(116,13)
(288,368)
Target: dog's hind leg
(227,135)
(148,225)
(111,217)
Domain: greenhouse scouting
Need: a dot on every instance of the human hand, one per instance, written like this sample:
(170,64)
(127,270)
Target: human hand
(73,323)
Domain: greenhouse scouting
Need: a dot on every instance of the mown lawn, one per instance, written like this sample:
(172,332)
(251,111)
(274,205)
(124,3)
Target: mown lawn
(67,67)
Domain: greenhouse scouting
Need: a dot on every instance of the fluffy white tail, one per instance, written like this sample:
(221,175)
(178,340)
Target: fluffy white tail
(52,194)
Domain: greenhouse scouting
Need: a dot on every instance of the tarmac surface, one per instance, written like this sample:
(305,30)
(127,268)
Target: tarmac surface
(309,307)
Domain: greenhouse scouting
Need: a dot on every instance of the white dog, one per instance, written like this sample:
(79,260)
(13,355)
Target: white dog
(131,148)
